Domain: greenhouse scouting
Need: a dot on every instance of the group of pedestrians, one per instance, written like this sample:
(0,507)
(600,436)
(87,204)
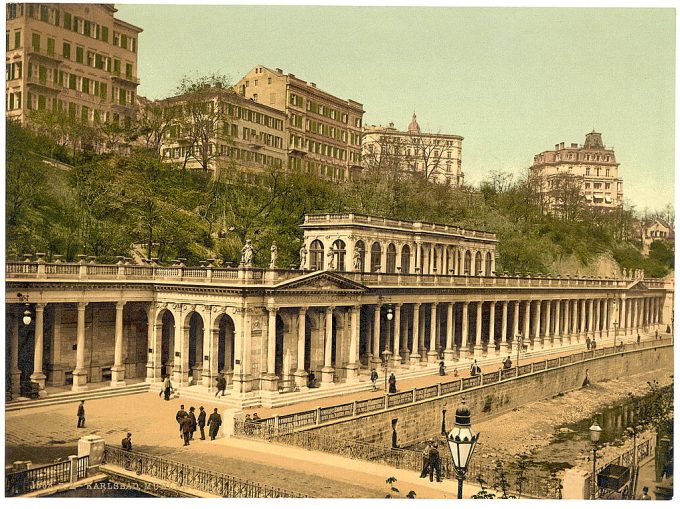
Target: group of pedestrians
(188,423)
(591,344)
(432,463)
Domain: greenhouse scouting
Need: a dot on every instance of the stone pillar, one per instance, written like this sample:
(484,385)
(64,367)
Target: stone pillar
(118,369)
(415,335)
(491,341)
(574,319)
(328,371)
(421,337)
(515,325)
(432,352)
(536,325)
(449,352)
(352,368)
(548,332)
(464,341)
(396,340)
(270,381)
(79,373)
(590,327)
(527,316)
(153,362)
(478,349)
(506,345)
(376,335)
(404,351)
(14,371)
(583,319)
(558,324)
(300,373)
(38,376)
(418,262)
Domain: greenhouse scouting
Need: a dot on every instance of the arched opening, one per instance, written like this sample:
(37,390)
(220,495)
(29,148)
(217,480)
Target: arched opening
(376,254)
(167,321)
(487,269)
(478,263)
(339,249)
(225,345)
(391,261)
(196,330)
(360,256)
(316,255)
(468,263)
(406,260)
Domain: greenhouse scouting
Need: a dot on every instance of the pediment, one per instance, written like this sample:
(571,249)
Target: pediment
(638,287)
(321,281)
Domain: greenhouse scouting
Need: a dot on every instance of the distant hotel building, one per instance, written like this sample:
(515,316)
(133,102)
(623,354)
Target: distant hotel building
(76,58)
(593,164)
(435,156)
(234,129)
(323,131)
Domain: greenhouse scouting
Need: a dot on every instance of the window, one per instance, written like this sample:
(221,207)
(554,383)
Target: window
(50,46)
(316,255)
(35,42)
(67,51)
(478,263)
(606,171)
(269,81)
(85,85)
(79,54)
(72,81)
(468,262)
(116,67)
(67,20)
(487,268)
(587,172)
(128,71)
(85,113)
(391,260)
(44,13)
(105,34)
(376,253)
(17,39)
(339,252)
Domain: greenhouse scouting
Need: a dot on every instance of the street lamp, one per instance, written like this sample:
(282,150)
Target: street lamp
(595,432)
(462,442)
(26,319)
(386,359)
(615,324)
(520,345)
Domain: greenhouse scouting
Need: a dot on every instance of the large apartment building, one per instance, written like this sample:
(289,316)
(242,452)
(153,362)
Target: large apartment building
(593,164)
(75,58)
(323,131)
(215,127)
(437,157)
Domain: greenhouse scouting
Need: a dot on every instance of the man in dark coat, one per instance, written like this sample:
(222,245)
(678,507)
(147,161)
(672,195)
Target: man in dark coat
(221,385)
(81,414)
(201,422)
(426,459)
(435,462)
(192,416)
(127,443)
(179,417)
(186,426)
(392,381)
(214,423)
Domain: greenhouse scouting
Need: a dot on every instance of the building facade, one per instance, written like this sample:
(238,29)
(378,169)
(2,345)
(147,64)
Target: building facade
(657,230)
(323,131)
(75,58)
(217,128)
(437,157)
(268,328)
(592,164)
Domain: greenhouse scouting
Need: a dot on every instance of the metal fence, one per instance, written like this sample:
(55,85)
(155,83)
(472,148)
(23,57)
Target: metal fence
(181,475)
(46,476)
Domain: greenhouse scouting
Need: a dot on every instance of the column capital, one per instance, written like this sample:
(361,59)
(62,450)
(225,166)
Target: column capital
(356,309)
(396,305)
(273,309)
(302,310)
(120,304)
(40,306)
(416,305)
(82,306)
(330,309)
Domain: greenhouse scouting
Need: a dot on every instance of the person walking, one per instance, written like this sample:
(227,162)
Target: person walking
(435,463)
(638,338)
(593,344)
(221,385)
(201,422)
(81,414)
(392,381)
(127,447)
(426,460)
(507,363)
(374,378)
(192,416)
(442,369)
(214,423)
(587,343)
(179,417)
(167,388)
(186,426)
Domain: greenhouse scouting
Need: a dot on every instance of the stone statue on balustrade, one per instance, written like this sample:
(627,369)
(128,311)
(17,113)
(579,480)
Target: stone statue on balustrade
(303,257)
(274,256)
(330,264)
(356,261)
(247,254)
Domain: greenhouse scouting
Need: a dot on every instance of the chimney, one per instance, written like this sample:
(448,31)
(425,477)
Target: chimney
(313,85)
(574,145)
(557,146)
(279,71)
(561,145)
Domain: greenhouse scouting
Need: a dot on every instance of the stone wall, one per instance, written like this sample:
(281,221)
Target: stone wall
(423,420)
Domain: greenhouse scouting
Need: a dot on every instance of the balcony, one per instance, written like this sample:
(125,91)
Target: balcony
(44,84)
(125,79)
(50,56)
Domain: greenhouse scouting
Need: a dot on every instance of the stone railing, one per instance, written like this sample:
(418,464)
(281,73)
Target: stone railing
(257,276)
(312,418)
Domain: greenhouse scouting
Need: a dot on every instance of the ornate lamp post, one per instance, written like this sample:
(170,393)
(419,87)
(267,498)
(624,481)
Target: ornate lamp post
(462,442)
(595,432)
(386,359)
(26,319)
(615,324)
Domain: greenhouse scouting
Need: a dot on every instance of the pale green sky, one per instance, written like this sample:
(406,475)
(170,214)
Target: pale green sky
(512,82)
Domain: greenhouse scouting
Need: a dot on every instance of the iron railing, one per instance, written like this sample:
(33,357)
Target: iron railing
(181,475)
(43,477)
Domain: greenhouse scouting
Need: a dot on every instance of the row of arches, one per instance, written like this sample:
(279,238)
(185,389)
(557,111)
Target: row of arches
(395,262)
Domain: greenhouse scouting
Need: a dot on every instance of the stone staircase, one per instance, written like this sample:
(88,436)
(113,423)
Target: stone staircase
(74,397)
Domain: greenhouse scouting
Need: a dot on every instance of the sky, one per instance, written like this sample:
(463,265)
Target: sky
(512,81)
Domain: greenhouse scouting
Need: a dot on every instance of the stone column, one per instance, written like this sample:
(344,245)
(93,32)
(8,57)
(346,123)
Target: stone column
(300,373)
(515,325)
(14,371)
(417,259)
(590,328)
(527,316)
(352,368)
(396,340)
(432,352)
(449,352)
(583,319)
(464,342)
(506,345)
(491,341)
(415,350)
(38,376)
(574,319)
(537,326)
(404,350)
(270,381)
(478,349)
(634,315)
(376,335)
(80,373)
(548,332)
(598,311)
(421,337)
(328,371)
(558,323)
(153,363)
(118,369)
